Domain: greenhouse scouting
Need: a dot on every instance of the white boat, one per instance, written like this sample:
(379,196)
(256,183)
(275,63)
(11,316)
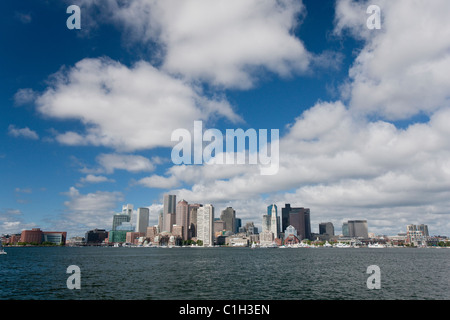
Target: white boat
(342,245)
(376,245)
(327,245)
(2,251)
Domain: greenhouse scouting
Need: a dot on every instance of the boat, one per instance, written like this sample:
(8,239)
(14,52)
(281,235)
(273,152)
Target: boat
(376,245)
(327,245)
(2,251)
(342,245)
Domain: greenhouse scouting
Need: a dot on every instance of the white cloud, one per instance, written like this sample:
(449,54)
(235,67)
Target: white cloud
(402,69)
(132,163)
(225,42)
(24,96)
(26,133)
(126,108)
(11,222)
(90,178)
(92,210)
(156,181)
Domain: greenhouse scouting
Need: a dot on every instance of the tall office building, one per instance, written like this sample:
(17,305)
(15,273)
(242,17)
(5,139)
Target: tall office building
(192,229)
(274,221)
(118,219)
(169,215)
(237,224)
(326,228)
(299,218)
(228,216)
(270,209)
(182,217)
(142,220)
(205,225)
(265,223)
(358,229)
(127,209)
(345,232)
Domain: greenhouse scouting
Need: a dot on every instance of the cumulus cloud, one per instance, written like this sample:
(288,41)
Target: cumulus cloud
(12,221)
(126,108)
(225,43)
(91,210)
(402,69)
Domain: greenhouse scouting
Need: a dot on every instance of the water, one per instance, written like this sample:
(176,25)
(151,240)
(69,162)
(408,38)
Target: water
(224,273)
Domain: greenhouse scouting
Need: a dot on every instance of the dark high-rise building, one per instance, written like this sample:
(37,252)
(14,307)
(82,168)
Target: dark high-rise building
(326,228)
(96,236)
(299,218)
(228,216)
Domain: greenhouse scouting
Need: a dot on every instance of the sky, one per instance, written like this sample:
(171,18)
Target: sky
(87,114)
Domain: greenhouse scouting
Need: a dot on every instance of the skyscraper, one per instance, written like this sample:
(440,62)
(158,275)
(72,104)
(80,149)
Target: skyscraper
(127,209)
(182,217)
(142,220)
(192,229)
(358,229)
(118,219)
(228,216)
(326,228)
(274,220)
(169,215)
(205,225)
(299,218)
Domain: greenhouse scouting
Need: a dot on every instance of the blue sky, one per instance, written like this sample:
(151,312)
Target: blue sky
(87,114)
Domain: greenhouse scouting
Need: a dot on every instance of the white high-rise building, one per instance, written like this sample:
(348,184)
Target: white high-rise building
(142,220)
(127,209)
(205,225)
(274,222)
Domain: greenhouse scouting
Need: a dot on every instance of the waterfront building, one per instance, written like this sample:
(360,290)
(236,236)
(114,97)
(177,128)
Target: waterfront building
(178,231)
(192,229)
(299,218)
(290,236)
(326,230)
(417,235)
(228,216)
(169,216)
(152,232)
(182,217)
(36,235)
(358,229)
(205,227)
(266,238)
(345,232)
(95,237)
(142,220)
(219,226)
(117,236)
(133,237)
(118,219)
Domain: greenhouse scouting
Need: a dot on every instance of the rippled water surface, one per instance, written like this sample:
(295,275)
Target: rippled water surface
(224,273)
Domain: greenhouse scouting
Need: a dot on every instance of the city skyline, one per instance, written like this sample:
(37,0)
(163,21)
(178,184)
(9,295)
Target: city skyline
(88,114)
